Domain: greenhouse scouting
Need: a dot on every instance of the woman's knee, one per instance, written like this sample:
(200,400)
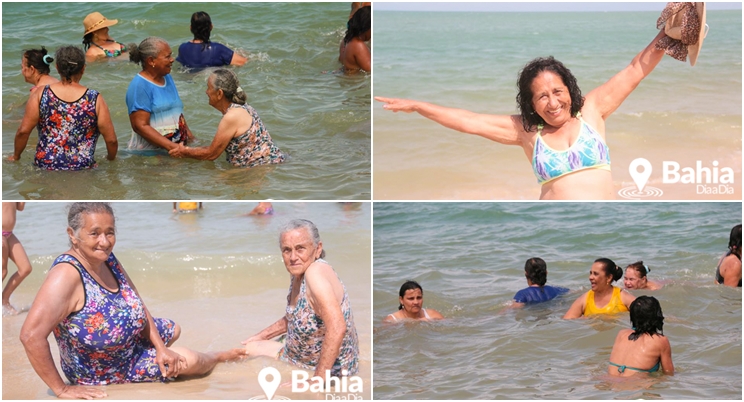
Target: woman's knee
(176,335)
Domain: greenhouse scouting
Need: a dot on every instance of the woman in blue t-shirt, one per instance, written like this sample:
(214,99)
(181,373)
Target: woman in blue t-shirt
(201,52)
(536,272)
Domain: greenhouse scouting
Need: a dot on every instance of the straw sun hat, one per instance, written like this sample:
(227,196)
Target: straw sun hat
(95,21)
(684,24)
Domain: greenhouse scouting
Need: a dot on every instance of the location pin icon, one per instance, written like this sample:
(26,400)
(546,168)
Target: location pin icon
(640,178)
(269,387)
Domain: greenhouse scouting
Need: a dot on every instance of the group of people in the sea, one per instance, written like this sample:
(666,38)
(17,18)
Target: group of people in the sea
(70,117)
(107,335)
(642,349)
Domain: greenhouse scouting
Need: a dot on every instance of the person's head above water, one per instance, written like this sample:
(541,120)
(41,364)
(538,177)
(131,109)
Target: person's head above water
(536,271)
(735,240)
(646,317)
(201,26)
(635,275)
(529,107)
(408,285)
(359,24)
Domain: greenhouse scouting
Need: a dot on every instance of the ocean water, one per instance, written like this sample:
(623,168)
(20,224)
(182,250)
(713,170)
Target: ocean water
(471,60)
(321,119)
(218,274)
(469,259)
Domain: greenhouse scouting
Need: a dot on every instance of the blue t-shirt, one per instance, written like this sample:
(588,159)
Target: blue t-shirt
(163,104)
(215,54)
(534,294)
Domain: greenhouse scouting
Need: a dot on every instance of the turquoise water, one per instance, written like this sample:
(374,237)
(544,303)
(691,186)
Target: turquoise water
(322,120)
(218,274)
(469,259)
(470,60)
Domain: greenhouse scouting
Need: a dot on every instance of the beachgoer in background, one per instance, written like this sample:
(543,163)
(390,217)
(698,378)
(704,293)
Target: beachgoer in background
(318,322)
(35,68)
(241,133)
(411,305)
(200,52)
(185,207)
(643,349)
(353,53)
(96,40)
(536,272)
(603,298)
(636,277)
(69,118)
(103,329)
(155,109)
(13,249)
(263,208)
(728,271)
(561,132)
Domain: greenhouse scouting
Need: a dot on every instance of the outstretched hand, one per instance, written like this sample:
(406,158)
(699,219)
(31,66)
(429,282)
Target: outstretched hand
(178,151)
(398,105)
(78,392)
(174,362)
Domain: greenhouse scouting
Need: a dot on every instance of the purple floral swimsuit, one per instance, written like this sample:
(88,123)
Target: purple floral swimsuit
(103,343)
(68,132)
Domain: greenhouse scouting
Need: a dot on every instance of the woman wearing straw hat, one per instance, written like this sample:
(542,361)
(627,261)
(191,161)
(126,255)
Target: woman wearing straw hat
(560,130)
(96,40)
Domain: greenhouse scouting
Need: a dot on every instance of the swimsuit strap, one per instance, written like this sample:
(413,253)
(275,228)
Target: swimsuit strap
(391,315)
(621,368)
(426,315)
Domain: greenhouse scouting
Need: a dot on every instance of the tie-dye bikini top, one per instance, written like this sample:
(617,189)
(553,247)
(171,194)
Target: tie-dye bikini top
(589,151)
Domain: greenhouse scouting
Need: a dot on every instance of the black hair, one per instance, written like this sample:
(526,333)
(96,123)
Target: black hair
(87,40)
(646,317)
(360,23)
(35,58)
(201,27)
(530,118)
(610,268)
(735,239)
(70,62)
(408,285)
(536,271)
(640,268)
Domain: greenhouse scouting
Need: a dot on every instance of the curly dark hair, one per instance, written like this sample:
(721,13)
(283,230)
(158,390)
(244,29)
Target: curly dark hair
(536,271)
(530,119)
(360,23)
(201,27)
(646,317)
(408,285)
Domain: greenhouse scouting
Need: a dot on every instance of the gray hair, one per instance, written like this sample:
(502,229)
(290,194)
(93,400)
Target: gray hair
(70,62)
(76,211)
(227,81)
(147,48)
(296,224)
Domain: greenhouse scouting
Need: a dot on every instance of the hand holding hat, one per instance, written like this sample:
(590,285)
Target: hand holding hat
(684,25)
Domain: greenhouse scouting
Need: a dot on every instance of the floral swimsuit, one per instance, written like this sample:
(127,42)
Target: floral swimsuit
(254,147)
(68,132)
(305,333)
(103,343)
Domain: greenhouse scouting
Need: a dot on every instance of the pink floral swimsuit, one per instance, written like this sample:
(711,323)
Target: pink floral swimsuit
(305,333)
(103,343)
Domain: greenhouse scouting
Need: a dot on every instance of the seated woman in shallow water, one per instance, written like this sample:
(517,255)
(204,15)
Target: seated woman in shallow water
(603,298)
(104,331)
(411,307)
(636,277)
(643,349)
(353,52)
(241,133)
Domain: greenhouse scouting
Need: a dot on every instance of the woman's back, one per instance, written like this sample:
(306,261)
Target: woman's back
(640,355)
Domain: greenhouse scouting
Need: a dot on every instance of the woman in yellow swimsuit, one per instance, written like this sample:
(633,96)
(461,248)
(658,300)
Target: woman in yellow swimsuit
(603,298)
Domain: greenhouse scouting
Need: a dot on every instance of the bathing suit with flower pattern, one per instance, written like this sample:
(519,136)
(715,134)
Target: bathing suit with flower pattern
(115,53)
(103,343)
(306,330)
(68,132)
(254,147)
(589,151)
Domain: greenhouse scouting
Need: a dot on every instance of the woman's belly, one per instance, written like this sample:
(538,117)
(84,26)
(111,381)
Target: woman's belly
(587,184)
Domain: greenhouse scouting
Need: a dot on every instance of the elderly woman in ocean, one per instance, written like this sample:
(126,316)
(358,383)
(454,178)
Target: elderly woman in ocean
(104,331)
(69,118)
(561,132)
(318,322)
(155,109)
(35,68)
(241,133)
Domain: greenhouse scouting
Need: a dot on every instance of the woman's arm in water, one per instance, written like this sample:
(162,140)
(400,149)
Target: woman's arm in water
(666,356)
(606,98)
(500,128)
(577,308)
(270,332)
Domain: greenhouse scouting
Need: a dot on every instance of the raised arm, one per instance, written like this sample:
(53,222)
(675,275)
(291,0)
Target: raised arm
(327,305)
(60,294)
(609,96)
(500,128)
(30,120)
(106,127)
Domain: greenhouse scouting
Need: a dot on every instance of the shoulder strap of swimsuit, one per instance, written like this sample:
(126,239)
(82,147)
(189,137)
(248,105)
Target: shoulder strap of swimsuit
(391,315)
(426,314)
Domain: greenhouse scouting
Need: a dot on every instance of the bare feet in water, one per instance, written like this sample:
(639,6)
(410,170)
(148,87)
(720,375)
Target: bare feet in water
(8,310)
